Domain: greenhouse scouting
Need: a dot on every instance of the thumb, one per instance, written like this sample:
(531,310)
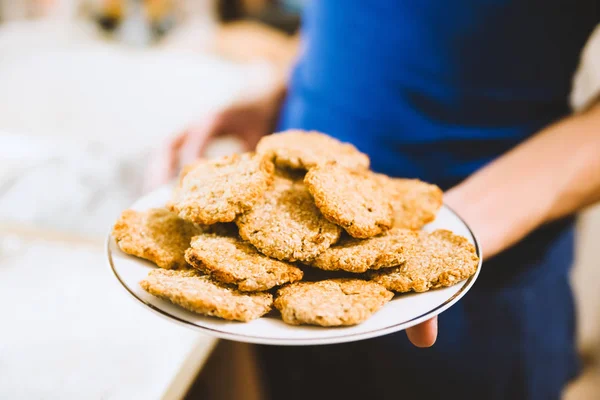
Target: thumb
(424,334)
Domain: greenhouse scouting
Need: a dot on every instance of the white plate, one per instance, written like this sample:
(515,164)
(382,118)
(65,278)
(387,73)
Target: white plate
(402,312)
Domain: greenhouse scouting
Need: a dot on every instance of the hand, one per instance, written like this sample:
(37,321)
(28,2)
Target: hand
(248,120)
(549,176)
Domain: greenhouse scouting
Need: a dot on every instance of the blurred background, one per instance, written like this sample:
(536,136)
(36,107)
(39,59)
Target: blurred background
(88,89)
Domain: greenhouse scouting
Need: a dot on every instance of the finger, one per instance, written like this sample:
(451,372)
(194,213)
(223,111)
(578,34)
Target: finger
(164,162)
(171,153)
(197,139)
(424,334)
(252,138)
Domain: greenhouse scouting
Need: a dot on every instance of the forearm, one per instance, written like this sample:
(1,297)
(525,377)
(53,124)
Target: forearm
(551,175)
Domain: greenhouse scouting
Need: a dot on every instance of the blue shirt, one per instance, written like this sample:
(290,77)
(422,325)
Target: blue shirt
(435,89)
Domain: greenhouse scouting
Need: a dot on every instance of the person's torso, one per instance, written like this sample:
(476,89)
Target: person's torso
(435,89)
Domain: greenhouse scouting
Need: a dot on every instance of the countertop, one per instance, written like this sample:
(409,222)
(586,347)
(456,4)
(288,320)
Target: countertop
(79,119)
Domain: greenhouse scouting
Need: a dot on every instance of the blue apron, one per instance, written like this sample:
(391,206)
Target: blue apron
(436,89)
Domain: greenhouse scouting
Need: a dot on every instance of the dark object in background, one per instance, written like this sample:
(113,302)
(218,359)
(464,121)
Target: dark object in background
(108,15)
(107,22)
(230,10)
(277,14)
(279,18)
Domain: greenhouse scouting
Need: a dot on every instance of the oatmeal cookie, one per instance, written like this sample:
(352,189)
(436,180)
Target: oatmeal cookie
(360,255)
(415,203)
(355,200)
(219,190)
(231,260)
(157,235)
(302,150)
(287,225)
(333,302)
(433,259)
(203,295)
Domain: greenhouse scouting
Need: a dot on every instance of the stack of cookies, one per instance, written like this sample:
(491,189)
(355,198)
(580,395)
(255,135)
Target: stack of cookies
(301,224)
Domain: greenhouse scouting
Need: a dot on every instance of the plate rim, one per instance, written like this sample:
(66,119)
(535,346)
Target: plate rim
(343,338)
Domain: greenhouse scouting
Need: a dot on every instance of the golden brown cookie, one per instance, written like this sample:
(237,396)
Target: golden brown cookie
(179,185)
(305,149)
(433,260)
(415,203)
(231,260)
(333,302)
(360,255)
(203,295)
(216,191)
(287,225)
(353,199)
(157,235)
